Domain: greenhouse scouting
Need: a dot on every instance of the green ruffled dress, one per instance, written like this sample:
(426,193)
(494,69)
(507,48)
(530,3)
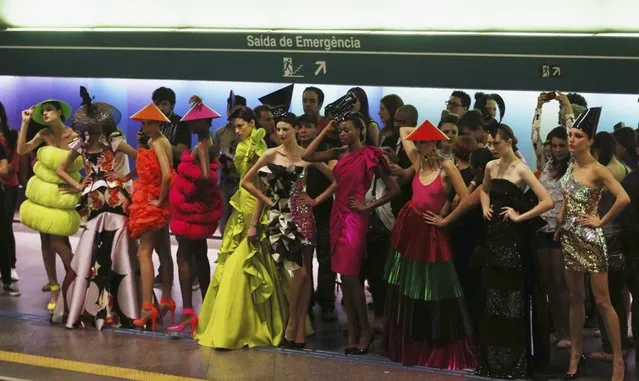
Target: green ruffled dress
(246,302)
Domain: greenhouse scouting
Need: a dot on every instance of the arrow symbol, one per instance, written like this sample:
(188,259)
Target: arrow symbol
(556,71)
(321,67)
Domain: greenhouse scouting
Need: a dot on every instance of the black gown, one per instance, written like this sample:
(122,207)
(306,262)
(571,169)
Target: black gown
(505,344)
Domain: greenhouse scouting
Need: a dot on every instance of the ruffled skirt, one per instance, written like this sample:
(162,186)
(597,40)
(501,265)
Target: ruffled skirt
(144,217)
(195,215)
(246,303)
(427,320)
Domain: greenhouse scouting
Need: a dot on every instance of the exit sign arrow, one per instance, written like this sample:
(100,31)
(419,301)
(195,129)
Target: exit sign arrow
(556,71)
(321,67)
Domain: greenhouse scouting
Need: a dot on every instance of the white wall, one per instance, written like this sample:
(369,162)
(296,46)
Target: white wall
(467,15)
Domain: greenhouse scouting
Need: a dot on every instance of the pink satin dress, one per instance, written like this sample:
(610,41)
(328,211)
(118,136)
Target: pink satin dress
(354,174)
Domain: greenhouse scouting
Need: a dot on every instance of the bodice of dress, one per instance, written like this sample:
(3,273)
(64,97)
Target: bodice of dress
(246,154)
(579,199)
(284,185)
(429,197)
(98,164)
(504,193)
(281,180)
(146,165)
(249,150)
(554,188)
(354,173)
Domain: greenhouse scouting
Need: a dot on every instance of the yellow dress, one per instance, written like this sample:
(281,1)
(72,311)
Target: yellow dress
(47,209)
(246,303)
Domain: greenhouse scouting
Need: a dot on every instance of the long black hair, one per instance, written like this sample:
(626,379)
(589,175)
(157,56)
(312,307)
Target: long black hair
(560,166)
(10,135)
(360,94)
(392,102)
(604,146)
(626,137)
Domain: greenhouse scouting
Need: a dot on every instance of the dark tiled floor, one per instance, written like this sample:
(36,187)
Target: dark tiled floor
(24,329)
(154,353)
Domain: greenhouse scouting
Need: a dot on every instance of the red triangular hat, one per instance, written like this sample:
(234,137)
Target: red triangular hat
(427,132)
(150,112)
(200,111)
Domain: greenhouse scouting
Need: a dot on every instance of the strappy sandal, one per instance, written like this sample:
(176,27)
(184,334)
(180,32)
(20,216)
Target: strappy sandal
(51,306)
(601,356)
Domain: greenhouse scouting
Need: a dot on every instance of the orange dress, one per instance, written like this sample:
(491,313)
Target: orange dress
(144,217)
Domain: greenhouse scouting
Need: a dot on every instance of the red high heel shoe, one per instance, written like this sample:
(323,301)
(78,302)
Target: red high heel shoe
(168,304)
(191,322)
(152,315)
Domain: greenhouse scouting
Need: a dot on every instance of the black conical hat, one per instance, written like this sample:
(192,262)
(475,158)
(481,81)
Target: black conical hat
(588,121)
(280,99)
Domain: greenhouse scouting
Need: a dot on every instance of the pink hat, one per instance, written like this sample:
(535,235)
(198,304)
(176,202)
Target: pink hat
(199,111)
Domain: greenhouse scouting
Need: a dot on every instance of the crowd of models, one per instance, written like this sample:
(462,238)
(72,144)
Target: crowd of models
(472,260)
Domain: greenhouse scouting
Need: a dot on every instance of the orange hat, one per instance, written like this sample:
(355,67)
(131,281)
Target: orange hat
(150,112)
(427,132)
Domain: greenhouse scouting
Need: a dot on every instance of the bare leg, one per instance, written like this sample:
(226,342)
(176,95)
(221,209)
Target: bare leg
(599,284)
(351,312)
(163,248)
(358,299)
(576,295)
(48,257)
(559,300)
(203,269)
(305,295)
(184,253)
(61,246)
(145,251)
(298,282)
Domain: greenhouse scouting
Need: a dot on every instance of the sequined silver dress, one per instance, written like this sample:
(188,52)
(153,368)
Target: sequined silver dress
(584,248)
(291,224)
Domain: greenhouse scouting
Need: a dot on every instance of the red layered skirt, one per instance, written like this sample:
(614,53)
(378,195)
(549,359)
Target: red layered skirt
(427,320)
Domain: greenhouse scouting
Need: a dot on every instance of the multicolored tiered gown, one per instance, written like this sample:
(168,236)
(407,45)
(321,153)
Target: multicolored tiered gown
(427,322)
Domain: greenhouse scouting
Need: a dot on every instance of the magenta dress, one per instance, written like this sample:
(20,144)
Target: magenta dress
(354,174)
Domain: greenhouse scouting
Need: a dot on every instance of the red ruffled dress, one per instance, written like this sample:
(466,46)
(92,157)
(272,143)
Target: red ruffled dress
(144,217)
(196,212)
(354,174)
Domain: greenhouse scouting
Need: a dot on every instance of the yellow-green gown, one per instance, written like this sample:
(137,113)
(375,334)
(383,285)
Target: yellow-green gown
(246,303)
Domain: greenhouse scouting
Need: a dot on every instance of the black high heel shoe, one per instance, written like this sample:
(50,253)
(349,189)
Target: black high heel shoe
(579,372)
(285,343)
(357,351)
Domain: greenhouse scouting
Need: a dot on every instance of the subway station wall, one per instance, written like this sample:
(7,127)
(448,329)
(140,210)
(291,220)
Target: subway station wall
(129,95)
(472,15)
